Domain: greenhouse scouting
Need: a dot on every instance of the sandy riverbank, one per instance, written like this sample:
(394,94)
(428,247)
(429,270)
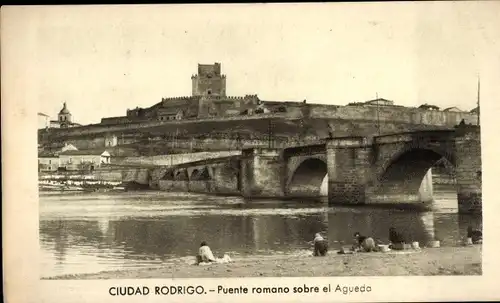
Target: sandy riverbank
(429,261)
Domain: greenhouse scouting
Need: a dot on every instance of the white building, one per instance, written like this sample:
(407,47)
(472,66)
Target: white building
(379,102)
(68,146)
(64,119)
(83,159)
(48,162)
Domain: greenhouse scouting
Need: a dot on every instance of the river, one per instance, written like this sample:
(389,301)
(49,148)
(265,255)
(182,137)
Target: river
(91,232)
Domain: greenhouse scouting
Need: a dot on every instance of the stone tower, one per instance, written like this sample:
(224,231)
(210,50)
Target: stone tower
(209,81)
(64,116)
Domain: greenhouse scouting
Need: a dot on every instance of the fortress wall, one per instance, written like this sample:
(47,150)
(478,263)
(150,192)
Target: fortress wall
(99,128)
(116,120)
(87,143)
(392,114)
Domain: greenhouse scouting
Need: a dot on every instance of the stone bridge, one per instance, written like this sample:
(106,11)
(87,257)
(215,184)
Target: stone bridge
(219,176)
(383,169)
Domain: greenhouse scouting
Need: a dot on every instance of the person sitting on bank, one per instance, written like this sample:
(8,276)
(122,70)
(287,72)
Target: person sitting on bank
(366,244)
(396,239)
(205,254)
(475,235)
(320,245)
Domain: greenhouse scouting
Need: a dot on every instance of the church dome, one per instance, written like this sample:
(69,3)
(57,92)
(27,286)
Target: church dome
(64,110)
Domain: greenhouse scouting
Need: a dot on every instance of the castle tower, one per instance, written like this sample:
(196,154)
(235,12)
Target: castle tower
(64,116)
(209,81)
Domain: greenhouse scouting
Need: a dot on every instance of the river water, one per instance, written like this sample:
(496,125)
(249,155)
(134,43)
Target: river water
(91,232)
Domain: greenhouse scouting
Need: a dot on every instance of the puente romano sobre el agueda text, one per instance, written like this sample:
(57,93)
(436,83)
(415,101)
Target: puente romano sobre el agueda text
(373,152)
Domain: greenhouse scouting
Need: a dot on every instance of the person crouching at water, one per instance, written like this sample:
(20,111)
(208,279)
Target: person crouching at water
(320,245)
(475,235)
(366,244)
(397,240)
(204,254)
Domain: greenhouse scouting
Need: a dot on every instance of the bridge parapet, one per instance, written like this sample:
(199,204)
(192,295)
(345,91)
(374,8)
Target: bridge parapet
(439,135)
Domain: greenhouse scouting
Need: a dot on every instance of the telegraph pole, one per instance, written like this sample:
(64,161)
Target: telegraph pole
(478,98)
(378,115)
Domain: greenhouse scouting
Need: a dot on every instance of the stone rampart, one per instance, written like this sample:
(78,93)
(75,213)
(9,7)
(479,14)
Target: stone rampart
(392,114)
(100,128)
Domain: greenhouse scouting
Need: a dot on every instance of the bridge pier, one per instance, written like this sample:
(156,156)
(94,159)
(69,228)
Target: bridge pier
(426,190)
(348,161)
(262,173)
(468,169)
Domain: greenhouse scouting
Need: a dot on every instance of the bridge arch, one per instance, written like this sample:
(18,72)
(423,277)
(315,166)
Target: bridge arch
(402,172)
(181,175)
(194,174)
(307,178)
(200,174)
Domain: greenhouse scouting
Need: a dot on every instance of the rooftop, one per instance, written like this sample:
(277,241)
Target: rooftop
(92,152)
(47,154)
(64,110)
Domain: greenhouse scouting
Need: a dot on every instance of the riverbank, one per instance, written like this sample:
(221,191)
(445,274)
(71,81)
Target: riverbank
(426,262)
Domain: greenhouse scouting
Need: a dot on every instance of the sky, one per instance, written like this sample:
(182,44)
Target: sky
(102,60)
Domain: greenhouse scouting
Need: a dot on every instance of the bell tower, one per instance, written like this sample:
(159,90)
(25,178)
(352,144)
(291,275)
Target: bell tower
(64,117)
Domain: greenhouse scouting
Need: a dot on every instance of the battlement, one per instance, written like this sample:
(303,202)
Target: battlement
(177,98)
(209,69)
(235,98)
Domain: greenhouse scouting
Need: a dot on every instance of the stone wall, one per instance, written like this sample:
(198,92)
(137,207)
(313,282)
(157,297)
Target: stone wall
(116,120)
(392,114)
(175,159)
(108,175)
(173,186)
(204,186)
(138,175)
(99,128)
(199,186)
(468,170)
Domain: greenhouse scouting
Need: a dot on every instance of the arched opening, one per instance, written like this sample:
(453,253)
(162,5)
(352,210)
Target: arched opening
(169,175)
(200,175)
(309,179)
(408,177)
(194,174)
(181,175)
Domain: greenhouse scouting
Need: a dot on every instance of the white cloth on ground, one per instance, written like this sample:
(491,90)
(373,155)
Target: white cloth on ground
(225,259)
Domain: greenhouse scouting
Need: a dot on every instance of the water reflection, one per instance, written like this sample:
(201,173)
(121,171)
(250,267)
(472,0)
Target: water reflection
(121,232)
(376,223)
